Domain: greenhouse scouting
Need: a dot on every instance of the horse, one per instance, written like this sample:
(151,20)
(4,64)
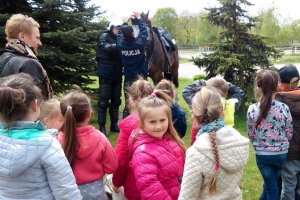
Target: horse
(162,64)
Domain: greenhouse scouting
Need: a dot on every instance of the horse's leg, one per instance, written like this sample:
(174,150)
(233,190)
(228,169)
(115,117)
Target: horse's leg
(158,76)
(174,68)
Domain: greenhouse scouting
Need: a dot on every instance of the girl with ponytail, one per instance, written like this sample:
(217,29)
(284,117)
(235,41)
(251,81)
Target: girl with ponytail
(88,151)
(214,163)
(269,126)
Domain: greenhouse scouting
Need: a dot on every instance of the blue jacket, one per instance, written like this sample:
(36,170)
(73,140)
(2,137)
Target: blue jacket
(179,121)
(134,58)
(33,165)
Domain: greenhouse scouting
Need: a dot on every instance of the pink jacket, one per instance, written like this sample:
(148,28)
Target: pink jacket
(94,155)
(124,176)
(158,166)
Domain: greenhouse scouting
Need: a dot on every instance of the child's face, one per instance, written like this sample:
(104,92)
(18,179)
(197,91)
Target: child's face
(55,122)
(156,122)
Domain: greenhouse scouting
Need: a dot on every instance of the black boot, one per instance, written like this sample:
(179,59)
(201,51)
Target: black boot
(114,127)
(102,121)
(103,130)
(114,117)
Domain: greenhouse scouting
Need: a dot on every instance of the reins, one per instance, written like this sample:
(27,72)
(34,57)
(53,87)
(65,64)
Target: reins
(152,54)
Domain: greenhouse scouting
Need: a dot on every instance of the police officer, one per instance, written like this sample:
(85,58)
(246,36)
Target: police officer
(110,79)
(133,53)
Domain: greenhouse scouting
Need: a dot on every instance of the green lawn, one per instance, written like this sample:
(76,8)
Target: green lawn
(290,58)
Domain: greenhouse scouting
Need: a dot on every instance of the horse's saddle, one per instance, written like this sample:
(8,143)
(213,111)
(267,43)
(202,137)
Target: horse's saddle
(166,38)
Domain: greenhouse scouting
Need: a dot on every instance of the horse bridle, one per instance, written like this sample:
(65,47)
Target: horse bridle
(150,62)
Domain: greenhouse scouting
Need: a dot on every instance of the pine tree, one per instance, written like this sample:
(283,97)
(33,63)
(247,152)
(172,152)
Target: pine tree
(238,53)
(69,35)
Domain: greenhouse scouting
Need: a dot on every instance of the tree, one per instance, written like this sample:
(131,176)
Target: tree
(186,26)
(166,18)
(238,52)
(269,27)
(206,33)
(295,26)
(69,37)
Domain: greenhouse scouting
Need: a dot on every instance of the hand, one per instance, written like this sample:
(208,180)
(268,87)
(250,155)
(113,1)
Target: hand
(116,189)
(137,15)
(128,19)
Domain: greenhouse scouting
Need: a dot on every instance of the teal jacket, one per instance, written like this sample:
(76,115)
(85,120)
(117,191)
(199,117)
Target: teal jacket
(33,165)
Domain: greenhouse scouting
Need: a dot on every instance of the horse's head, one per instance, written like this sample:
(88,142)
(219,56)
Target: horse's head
(145,17)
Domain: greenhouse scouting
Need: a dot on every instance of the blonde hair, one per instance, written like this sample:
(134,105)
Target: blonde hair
(159,99)
(19,23)
(207,107)
(138,90)
(219,83)
(50,109)
(167,87)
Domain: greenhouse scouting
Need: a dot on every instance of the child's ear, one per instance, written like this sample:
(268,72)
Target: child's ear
(34,105)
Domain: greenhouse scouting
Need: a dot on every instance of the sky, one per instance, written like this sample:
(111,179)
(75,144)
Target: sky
(116,10)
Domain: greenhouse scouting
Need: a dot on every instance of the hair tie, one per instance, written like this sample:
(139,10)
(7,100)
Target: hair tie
(153,94)
(69,108)
(217,166)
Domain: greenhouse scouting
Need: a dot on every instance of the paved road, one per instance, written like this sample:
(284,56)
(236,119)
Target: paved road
(189,70)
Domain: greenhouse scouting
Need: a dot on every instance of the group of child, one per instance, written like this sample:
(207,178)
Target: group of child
(48,150)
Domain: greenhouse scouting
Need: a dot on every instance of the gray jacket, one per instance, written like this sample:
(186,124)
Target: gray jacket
(33,166)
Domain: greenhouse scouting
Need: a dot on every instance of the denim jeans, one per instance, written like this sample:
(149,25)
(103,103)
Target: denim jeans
(270,167)
(290,174)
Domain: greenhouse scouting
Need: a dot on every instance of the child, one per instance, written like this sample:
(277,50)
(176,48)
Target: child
(223,88)
(158,152)
(269,125)
(290,95)
(33,164)
(214,164)
(178,115)
(124,174)
(87,149)
(51,115)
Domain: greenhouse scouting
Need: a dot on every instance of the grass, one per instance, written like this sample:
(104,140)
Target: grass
(288,58)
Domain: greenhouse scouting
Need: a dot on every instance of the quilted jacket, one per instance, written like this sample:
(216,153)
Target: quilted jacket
(33,165)
(124,175)
(158,166)
(200,165)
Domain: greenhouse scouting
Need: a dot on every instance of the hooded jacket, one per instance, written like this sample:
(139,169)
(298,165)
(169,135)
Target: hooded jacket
(200,166)
(124,176)
(95,156)
(33,165)
(292,100)
(158,166)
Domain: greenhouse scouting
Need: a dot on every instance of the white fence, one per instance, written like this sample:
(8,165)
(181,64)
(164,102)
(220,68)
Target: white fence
(189,52)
